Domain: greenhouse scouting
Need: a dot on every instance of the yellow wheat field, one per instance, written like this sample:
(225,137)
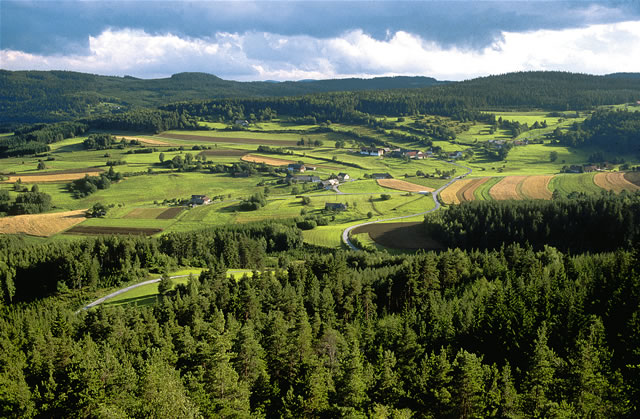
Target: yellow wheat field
(614,181)
(467,192)
(507,188)
(266,160)
(146,140)
(57,177)
(43,225)
(401,185)
(536,187)
(450,194)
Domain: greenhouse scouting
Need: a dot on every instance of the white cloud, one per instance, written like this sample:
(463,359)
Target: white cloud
(596,49)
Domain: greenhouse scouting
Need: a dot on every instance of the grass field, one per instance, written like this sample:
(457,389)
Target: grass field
(574,182)
(482,191)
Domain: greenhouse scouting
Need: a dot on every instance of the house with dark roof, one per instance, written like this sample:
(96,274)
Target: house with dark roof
(199,200)
(304,179)
(336,206)
(343,176)
(295,167)
(381,176)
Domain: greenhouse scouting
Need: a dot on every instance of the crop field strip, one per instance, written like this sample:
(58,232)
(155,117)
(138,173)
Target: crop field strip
(633,177)
(402,185)
(467,193)
(232,140)
(569,182)
(50,178)
(170,213)
(614,181)
(147,141)
(507,188)
(43,225)
(450,194)
(266,160)
(97,230)
(536,187)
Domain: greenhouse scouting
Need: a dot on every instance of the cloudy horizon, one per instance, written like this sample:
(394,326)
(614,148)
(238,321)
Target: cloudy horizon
(268,40)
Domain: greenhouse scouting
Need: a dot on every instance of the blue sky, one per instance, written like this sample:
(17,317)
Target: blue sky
(292,40)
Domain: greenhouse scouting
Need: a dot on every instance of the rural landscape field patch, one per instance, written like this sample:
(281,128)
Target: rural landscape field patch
(536,187)
(57,176)
(224,152)
(232,140)
(614,181)
(407,235)
(266,160)
(507,188)
(43,225)
(148,141)
(402,185)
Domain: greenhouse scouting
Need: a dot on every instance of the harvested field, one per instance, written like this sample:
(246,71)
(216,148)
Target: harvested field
(266,160)
(450,194)
(536,187)
(399,235)
(467,193)
(53,176)
(95,230)
(507,188)
(224,152)
(145,140)
(401,185)
(224,139)
(43,225)
(170,213)
(614,181)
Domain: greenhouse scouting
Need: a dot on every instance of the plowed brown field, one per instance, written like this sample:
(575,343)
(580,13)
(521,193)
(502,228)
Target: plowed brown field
(43,225)
(614,181)
(401,185)
(206,139)
(536,187)
(507,188)
(466,193)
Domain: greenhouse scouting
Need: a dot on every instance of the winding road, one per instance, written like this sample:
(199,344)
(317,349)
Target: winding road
(434,195)
(123,290)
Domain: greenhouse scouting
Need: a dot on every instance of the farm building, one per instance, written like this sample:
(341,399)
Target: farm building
(381,176)
(304,179)
(242,122)
(329,182)
(295,167)
(343,176)
(336,206)
(199,200)
(372,151)
(415,154)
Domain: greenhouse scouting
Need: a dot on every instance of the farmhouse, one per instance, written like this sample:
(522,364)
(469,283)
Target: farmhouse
(304,179)
(242,122)
(329,182)
(415,154)
(336,206)
(455,155)
(199,200)
(372,151)
(295,167)
(381,176)
(343,176)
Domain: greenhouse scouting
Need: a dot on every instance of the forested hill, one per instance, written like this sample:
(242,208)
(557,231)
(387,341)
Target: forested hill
(45,96)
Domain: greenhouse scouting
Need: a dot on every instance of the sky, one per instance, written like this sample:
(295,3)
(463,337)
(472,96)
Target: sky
(295,40)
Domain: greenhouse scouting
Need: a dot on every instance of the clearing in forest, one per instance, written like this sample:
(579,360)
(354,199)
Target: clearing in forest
(507,188)
(43,225)
(266,160)
(536,187)
(401,185)
(614,181)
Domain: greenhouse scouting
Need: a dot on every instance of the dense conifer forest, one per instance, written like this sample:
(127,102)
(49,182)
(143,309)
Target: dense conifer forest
(517,331)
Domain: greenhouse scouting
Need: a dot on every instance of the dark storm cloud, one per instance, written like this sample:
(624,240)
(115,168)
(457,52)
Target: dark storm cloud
(54,27)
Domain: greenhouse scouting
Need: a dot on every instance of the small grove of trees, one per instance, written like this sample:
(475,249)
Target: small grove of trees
(90,184)
(28,202)
(254,202)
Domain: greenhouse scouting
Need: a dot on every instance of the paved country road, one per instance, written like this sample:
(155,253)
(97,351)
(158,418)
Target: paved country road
(123,290)
(434,195)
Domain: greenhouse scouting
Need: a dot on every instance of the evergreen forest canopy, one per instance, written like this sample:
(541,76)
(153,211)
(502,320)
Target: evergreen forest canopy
(35,96)
(510,332)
